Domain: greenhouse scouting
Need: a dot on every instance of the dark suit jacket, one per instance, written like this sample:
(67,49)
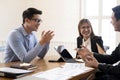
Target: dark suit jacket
(94,40)
(108,68)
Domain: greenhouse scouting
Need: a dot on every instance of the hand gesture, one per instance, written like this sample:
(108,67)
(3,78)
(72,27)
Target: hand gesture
(90,61)
(46,37)
(83,52)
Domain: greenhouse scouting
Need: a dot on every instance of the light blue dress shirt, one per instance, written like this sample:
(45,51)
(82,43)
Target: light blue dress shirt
(23,47)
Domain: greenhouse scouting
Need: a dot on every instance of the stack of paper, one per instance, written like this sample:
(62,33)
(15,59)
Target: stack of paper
(65,72)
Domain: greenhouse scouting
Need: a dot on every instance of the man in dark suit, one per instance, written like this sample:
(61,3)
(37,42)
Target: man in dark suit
(105,63)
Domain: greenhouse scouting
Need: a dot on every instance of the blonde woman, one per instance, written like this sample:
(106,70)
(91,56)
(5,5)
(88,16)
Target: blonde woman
(87,37)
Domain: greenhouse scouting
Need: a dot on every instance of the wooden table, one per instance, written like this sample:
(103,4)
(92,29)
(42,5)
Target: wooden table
(44,65)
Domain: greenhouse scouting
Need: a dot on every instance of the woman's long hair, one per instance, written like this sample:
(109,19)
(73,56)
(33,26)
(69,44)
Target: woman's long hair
(82,21)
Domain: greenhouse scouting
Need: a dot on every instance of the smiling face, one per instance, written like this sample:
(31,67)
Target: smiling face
(115,23)
(85,30)
(33,23)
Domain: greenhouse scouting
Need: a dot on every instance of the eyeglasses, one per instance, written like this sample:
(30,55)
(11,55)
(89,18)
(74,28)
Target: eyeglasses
(37,20)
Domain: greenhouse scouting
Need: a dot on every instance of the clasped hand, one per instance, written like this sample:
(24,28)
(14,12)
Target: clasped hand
(87,56)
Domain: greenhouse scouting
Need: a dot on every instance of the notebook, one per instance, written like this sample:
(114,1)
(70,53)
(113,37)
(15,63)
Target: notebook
(13,73)
(64,54)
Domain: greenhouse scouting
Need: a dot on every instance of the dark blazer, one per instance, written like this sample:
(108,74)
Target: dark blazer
(108,68)
(94,40)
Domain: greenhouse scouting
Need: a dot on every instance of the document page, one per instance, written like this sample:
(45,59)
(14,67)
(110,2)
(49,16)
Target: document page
(80,66)
(65,72)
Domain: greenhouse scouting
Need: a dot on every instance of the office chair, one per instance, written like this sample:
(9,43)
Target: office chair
(106,48)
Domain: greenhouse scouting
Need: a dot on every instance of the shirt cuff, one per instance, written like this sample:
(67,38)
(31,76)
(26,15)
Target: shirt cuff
(102,66)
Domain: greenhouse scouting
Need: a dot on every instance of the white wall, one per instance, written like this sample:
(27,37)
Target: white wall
(10,16)
(62,16)
(118,33)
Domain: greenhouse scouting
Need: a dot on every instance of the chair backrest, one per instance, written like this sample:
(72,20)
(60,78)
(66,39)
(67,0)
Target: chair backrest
(2,48)
(106,47)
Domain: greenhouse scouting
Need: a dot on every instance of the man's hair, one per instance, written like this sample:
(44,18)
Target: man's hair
(116,11)
(29,13)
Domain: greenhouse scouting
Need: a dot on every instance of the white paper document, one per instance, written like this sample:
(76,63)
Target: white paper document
(63,73)
(80,66)
(30,78)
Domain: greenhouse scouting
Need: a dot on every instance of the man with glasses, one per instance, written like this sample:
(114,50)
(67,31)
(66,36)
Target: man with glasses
(109,65)
(22,44)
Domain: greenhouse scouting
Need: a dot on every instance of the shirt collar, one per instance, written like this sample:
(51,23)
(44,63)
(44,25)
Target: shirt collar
(86,40)
(24,32)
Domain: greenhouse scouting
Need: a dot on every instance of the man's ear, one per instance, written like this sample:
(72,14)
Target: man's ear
(27,20)
(118,23)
